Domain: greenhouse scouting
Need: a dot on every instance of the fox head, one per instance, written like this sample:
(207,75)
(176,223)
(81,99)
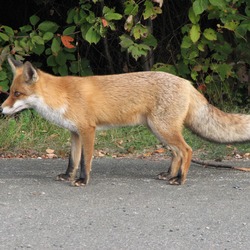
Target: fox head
(22,90)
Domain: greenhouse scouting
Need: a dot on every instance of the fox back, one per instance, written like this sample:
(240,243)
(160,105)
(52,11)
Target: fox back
(102,101)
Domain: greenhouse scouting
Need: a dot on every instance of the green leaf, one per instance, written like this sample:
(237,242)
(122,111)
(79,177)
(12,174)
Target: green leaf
(69,31)
(84,29)
(38,49)
(194,18)
(246,25)
(48,26)
(194,54)
(106,10)
(221,4)
(135,52)
(157,10)
(81,67)
(109,14)
(9,31)
(60,58)
(150,40)
(149,9)
(51,61)
(92,36)
(70,17)
(55,46)
(85,68)
(164,68)
(186,42)
(201,46)
(138,50)
(231,25)
(18,47)
(195,33)
(126,41)
(208,79)
(247,10)
(48,51)
(48,36)
(144,47)
(34,20)
(3,75)
(23,44)
(194,75)
(4,37)
(26,28)
(74,67)
(37,40)
(139,31)
(183,69)
(199,6)
(131,8)
(70,56)
(210,34)
(91,18)
(112,16)
(4,85)
(63,70)
(224,70)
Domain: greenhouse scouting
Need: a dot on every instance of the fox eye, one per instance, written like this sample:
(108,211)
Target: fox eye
(17,94)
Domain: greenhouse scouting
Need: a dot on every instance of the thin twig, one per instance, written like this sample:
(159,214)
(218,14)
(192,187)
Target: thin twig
(219,165)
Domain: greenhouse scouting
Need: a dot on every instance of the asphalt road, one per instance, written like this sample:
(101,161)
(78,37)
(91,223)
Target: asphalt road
(123,207)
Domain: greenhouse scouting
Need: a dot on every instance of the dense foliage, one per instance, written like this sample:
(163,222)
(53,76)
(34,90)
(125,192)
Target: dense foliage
(206,41)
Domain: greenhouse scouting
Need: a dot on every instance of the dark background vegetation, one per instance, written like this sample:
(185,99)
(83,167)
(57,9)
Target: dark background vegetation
(220,70)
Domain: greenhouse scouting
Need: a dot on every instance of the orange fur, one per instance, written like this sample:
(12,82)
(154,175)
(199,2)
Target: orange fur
(161,101)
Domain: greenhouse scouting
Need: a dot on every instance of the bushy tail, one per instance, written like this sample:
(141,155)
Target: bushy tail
(215,125)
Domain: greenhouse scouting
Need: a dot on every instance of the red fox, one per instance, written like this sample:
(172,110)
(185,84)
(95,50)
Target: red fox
(161,101)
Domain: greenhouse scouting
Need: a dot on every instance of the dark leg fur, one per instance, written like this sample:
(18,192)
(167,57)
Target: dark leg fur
(82,180)
(66,176)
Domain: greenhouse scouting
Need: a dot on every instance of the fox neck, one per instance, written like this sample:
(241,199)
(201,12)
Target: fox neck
(54,115)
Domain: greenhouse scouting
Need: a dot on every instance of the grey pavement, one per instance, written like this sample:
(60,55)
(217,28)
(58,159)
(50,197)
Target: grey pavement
(123,207)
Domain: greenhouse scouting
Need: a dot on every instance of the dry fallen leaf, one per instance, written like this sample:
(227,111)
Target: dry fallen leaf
(50,156)
(50,151)
(160,150)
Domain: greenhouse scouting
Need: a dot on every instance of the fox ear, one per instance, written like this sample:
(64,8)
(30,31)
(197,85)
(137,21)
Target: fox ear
(29,73)
(14,64)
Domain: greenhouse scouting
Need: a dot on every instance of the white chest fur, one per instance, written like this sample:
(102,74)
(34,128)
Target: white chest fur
(51,114)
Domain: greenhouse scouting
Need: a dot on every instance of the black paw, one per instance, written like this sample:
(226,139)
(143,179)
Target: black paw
(79,182)
(63,177)
(175,181)
(163,176)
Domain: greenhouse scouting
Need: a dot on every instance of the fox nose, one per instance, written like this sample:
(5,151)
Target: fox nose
(1,109)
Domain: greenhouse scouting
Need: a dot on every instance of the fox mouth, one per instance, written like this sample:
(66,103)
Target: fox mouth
(13,110)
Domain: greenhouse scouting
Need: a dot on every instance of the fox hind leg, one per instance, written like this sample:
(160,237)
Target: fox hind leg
(182,153)
(167,174)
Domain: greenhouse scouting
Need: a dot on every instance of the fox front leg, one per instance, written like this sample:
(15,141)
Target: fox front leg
(68,173)
(87,140)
